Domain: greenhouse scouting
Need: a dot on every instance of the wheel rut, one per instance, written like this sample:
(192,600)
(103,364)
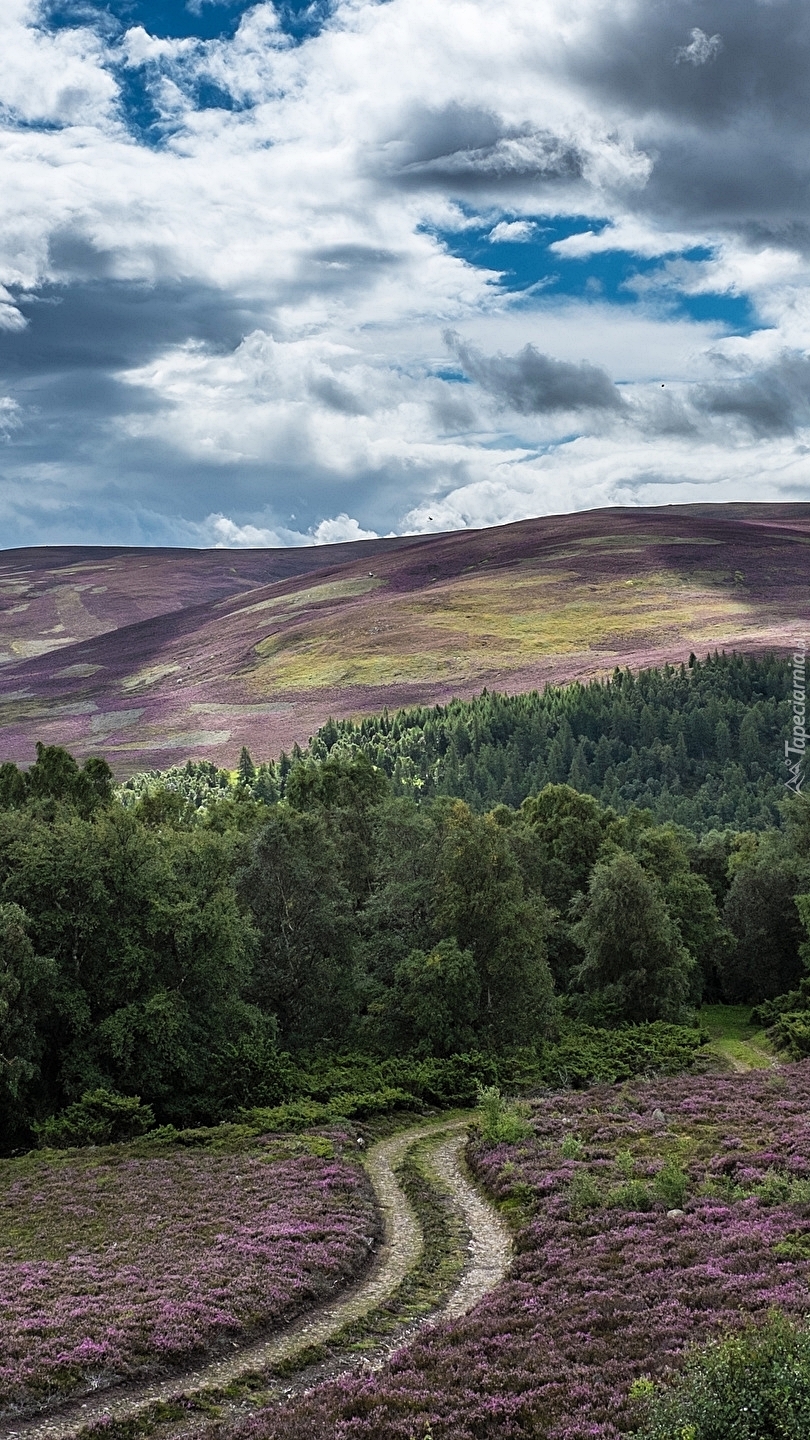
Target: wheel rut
(487,1256)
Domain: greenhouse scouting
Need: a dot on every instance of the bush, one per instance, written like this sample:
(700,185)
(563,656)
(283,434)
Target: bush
(586,1055)
(750,1386)
(671,1185)
(502,1121)
(346,1105)
(446,1082)
(250,1071)
(791,1034)
(101,1117)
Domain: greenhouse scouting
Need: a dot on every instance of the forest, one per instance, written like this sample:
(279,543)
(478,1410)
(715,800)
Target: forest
(340,928)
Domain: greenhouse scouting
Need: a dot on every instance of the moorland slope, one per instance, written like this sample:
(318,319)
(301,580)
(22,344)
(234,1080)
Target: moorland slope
(154,655)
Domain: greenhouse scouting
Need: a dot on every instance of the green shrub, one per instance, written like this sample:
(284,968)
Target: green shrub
(502,1121)
(671,1185)
(101,1117)
(751,1386)
(633,1195)
(301,1114)
(773,1189)
(587,1055)
(584,1193)
(626,1163)
(571,1148)
(791,1033)
(250,1071)
(443,1082)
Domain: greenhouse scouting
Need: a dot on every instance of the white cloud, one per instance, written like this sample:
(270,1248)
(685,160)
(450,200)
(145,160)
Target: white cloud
(9,415)
(520,230)
(303,224)
(701,48)
(221,533)
(57,78)
(10,316)
(340,527)
(626,233)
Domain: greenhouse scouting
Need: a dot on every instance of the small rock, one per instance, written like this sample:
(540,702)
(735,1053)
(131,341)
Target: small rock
(674,1214)
(658,1117)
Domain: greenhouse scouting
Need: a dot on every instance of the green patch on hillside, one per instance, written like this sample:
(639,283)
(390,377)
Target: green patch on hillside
(455,628)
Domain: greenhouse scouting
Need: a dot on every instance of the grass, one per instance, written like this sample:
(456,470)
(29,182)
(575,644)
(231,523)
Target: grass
(734,1040)
(511,616)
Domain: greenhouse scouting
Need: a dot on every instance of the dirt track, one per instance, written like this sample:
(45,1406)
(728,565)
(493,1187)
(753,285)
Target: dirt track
(488,1250)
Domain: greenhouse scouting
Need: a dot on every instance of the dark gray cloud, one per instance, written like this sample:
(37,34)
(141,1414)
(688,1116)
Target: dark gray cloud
(730,131)
(467,149)
(774,400)
(113,325)
(535,384)
(336,396)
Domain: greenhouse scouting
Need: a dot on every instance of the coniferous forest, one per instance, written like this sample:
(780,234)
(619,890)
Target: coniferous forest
(545,886)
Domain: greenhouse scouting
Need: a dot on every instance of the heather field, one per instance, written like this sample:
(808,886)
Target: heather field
(151,655)
(606,1286)
(114,1264)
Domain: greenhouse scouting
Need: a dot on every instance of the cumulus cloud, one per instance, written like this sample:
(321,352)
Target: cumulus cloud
(532,383)
(219,532)
(341,527)
(226,263)
(512,230)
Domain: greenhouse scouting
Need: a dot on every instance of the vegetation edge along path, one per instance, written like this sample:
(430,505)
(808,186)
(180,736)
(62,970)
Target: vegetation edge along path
(488,1254)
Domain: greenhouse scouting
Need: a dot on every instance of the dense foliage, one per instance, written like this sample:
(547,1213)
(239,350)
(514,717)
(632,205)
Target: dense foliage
(194,940)
(747,1386)
(702,745)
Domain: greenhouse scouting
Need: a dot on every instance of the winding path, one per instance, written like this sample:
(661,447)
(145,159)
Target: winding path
(488,1250)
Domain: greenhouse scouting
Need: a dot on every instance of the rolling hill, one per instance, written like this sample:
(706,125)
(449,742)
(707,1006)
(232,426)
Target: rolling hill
(153,656)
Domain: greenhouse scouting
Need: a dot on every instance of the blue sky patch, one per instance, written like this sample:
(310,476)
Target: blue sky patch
(530,267)
(178,20)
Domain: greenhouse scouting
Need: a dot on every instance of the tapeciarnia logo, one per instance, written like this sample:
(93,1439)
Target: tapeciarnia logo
(797,744)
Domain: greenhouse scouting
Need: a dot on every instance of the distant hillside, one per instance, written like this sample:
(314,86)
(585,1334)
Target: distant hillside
(155,655)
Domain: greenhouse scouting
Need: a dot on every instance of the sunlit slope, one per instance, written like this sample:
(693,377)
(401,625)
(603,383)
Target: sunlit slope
(56,596)
(419,619)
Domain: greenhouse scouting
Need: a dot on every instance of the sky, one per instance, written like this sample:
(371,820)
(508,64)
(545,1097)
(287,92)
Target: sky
(295,273)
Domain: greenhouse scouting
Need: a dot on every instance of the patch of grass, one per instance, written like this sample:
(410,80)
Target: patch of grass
(726,1022)
(311,595)
(734,1040)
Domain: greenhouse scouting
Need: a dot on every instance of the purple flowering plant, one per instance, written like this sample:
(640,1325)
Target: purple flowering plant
(113,1264)
(657,1215)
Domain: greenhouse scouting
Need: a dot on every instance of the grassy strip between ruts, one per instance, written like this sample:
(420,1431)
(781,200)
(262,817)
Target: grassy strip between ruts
(441,1262)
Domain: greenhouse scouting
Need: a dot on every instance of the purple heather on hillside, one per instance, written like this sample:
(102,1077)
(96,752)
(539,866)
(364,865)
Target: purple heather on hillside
(151,657)
(600,1295)
(114,1268)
